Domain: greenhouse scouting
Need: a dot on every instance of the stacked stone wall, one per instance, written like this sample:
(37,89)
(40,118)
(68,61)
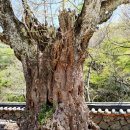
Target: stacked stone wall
(11,115)
(112,121)
(104,121)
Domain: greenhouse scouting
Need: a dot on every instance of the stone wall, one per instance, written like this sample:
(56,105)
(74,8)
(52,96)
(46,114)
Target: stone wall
(104,121)
(112,121)
(11,115)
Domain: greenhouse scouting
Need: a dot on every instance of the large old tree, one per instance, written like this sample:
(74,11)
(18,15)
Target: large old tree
(53,63)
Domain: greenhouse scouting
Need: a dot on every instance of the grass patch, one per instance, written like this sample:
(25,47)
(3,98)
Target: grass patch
(46,113)
(14,98)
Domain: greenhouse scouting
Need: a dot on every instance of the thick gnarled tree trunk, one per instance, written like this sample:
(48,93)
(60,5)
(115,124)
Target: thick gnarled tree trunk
(53,65)
(58,81)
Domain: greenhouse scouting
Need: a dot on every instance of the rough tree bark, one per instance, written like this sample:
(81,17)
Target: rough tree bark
(53,66)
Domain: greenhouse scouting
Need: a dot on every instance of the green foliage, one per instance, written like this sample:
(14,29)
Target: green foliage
(109,78)
(11,76)
(46,113)
(4,83)
(6,57)
(14,98)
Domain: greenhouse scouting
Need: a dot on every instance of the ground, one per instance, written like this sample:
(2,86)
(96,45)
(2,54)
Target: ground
(8,125)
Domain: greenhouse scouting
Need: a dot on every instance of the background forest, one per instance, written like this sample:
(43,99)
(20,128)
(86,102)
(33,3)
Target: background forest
(12,84)
(106,69)
(107,76)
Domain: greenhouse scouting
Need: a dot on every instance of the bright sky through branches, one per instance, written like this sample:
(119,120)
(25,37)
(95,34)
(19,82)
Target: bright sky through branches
(38,8)
(52,8)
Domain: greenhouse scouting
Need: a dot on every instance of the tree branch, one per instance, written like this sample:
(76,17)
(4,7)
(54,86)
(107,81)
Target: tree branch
(93,13)
(87,21)
(4,39)
(89,16)
(26,7)
(8,21)
(107,8)
(7,14)
(28,17)
(14,31)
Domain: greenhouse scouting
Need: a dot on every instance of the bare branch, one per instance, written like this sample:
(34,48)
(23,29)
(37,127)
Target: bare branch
(14,30)
(107,8)
(28,18)
(93,13)
(87,21)
(26,7)
(8,21)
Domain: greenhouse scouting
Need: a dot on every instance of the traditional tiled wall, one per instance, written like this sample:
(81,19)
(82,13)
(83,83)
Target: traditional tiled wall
(104,121)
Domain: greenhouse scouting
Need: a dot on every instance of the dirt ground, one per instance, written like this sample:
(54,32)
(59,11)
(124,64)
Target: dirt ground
(8,125)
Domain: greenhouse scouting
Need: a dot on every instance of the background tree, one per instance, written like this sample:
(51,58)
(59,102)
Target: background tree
(53,62)
(109,76)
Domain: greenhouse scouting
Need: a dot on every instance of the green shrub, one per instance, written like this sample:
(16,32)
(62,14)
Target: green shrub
(6,57)
(4,83)
(14,98)
(46,113)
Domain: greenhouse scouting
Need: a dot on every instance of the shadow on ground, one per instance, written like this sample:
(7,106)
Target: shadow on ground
(2,127)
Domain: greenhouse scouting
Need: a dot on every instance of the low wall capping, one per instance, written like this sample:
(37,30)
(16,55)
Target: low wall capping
(108,115)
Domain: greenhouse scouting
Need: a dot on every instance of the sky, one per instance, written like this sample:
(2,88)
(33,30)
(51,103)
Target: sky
(38,8)
(119,15)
